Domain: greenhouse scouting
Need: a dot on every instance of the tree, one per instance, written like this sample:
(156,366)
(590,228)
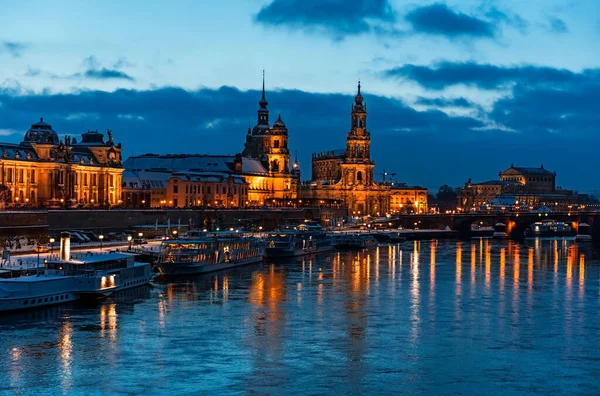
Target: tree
(4,196)
(447,197)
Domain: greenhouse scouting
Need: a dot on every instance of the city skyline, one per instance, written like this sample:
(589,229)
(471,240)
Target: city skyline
(479,86)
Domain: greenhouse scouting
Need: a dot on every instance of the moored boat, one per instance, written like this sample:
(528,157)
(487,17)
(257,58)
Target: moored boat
(216,252)
(69,279)
(354,241)
(306,238)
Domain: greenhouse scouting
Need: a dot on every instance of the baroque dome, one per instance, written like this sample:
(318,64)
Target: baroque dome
(41,133)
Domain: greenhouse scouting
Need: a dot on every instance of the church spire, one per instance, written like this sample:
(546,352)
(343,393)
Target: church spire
(263,101)
(263,112)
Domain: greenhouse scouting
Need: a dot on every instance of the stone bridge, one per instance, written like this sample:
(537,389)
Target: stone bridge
(516,223)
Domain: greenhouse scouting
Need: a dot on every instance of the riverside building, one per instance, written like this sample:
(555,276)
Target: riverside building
(45,171)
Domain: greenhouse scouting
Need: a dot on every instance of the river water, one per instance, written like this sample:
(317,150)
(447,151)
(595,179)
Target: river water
(444,317)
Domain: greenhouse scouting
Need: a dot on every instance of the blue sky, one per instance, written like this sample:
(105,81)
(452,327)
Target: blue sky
(455,89)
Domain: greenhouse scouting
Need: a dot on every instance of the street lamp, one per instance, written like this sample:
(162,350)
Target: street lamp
(140,234)
(101,237)
(51,243)
(129,238)
(174,233)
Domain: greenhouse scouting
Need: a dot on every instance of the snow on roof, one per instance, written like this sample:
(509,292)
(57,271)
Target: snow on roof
(251,165)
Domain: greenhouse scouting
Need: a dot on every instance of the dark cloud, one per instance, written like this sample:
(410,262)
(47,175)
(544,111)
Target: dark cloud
(338,18)
(438,19)
(486,76)
(94,70)
(104,74)
(444,102)
(498,16)
(176,120)
(557,25)
(569,108)
(418,145)
(13,48)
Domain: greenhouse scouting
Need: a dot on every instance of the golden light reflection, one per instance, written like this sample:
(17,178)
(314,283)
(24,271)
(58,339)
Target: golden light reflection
(571,254)
(108,320)
(556,259)
(530,260)
(473,263)
(162,313)
(65,345)
(433,247)
(458,267)
(517,268)
(415,297)
(226,288)
(581,274)
(488,265)
(502,268)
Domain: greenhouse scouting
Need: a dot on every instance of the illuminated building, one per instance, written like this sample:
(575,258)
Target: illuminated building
(408,199)
(264,165)
(348,174)
(45,171)
(524,187)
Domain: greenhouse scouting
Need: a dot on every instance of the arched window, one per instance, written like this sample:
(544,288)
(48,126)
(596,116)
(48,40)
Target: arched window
(359,123)
(359,177)
(358,151)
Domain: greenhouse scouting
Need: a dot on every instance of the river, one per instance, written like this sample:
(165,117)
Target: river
(442,317)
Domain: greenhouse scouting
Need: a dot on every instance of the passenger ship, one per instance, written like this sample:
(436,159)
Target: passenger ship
(306,238)
(213,252)
(67,280)
(353,241)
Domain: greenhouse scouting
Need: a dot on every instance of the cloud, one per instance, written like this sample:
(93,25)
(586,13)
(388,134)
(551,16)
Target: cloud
(417,145)
(485,76)
(569,108)
(7,132)
(104,74)
(121,63)
(94,70)
(557,25)
(337,18)
(498,16)
(13,48)
(444,102)
(438,19)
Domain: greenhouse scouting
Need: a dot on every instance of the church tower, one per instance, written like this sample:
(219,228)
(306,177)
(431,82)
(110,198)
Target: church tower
(357,167)
(266,143)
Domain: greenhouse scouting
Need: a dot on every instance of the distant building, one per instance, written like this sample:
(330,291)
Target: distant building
(408,199)
(348,174)
(525,187)
(260,173)
(45,171)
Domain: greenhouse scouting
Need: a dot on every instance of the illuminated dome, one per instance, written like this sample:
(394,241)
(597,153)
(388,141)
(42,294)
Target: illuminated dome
(41,133)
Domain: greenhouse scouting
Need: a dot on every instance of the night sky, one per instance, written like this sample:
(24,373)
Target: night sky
(454,89)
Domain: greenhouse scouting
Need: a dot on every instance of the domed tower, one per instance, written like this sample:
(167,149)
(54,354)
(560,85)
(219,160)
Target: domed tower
(41,133)
(268,143)
(358,166)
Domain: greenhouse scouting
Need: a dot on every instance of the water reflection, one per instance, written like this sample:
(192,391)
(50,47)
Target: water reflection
(453,315)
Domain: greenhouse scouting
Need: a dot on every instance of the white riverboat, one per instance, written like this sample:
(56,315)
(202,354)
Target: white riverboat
(72,278)
(306,238)
(214,252)
(69,280)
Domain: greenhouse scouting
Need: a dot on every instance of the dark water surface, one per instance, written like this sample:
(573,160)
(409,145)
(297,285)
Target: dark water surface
(477,317)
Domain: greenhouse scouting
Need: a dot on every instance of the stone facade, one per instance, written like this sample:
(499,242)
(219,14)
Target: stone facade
(44,171)
(216,190)
(527,187)
(408,199)
(264,164)
(348,174)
